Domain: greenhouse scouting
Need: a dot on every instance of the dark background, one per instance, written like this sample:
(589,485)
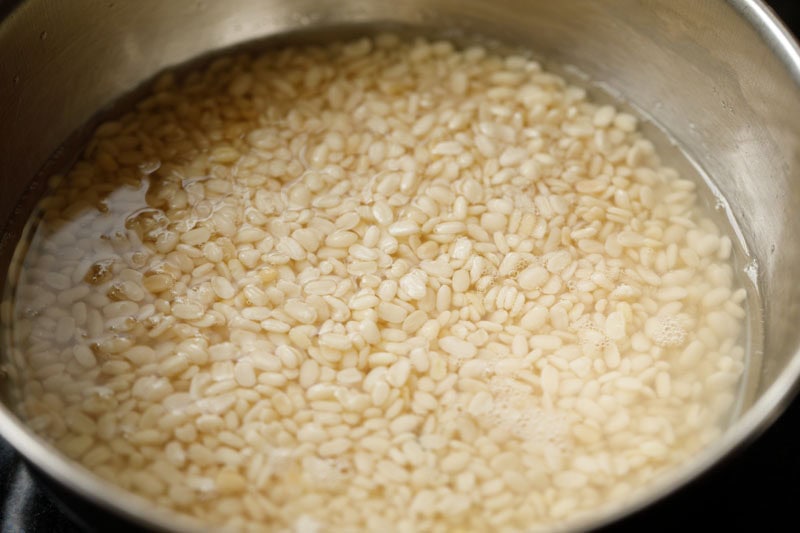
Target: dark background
(755,490)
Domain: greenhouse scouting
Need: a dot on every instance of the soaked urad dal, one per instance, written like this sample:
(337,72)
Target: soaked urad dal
(384,285)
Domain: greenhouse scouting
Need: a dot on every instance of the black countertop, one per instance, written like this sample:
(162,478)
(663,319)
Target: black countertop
(754,490)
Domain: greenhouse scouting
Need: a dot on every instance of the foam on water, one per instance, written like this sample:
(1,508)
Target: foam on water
(666,331)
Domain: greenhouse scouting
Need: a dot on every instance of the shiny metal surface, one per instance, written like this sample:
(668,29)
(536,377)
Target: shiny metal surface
(722,78)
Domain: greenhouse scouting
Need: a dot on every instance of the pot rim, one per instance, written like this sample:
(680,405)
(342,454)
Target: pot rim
(760,416)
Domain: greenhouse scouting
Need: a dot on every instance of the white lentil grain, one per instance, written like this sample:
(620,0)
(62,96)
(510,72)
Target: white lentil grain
(457,347)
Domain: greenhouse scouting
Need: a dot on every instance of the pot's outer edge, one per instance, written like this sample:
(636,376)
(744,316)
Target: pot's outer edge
(758,418)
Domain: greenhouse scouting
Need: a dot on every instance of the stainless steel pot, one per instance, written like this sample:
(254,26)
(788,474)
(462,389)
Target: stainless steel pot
(722,78)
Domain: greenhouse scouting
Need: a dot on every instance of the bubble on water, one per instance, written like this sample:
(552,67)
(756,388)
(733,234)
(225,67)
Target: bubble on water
(751,270)
(583,321)
(515,410)
(590,334)
(666,331)
(521,265)
(540,426)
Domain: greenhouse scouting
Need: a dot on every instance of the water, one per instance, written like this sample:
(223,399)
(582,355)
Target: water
(76,343)
(716,207)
